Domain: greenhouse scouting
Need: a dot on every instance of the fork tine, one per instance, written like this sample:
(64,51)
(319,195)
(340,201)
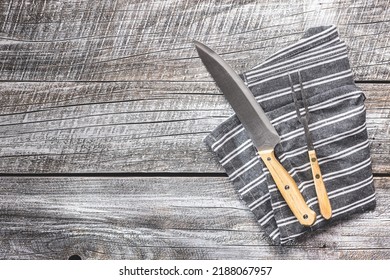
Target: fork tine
(294,96)
(303,95)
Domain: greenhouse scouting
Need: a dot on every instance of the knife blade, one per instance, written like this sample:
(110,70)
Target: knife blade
(259,128)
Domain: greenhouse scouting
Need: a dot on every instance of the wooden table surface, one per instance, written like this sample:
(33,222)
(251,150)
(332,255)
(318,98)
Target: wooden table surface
(103,108)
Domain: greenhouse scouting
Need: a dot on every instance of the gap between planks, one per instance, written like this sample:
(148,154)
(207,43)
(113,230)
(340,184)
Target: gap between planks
(165,81)
(117,174)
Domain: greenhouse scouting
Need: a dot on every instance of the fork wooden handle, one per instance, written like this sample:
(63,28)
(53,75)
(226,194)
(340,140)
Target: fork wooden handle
(322,195)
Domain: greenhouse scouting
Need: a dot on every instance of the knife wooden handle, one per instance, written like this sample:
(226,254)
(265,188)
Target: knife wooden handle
(322,195)
(288,188)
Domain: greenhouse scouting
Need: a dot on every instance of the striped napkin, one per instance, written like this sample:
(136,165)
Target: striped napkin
(337,126)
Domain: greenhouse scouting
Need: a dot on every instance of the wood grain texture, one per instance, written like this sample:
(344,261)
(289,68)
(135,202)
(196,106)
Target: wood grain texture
(116,86)
(120,40)
(132,126)
(322,194)
(164,218)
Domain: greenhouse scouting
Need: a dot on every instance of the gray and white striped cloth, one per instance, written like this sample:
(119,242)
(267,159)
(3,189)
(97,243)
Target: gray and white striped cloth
(337,125)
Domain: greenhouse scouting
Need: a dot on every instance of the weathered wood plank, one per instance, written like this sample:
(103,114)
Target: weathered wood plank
(152,40)
(131,126)
(163,218)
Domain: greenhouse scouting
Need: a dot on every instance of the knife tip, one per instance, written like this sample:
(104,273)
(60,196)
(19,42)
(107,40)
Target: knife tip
(196,43)
(201,48)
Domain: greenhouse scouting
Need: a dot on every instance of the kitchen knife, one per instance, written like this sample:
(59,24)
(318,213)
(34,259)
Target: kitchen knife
(259,129)
(322,195)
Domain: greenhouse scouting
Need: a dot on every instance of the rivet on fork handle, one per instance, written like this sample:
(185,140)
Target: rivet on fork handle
(322,195)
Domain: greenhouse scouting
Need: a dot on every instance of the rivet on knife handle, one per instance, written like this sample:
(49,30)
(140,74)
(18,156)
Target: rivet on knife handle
(288,188)
(322,195)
